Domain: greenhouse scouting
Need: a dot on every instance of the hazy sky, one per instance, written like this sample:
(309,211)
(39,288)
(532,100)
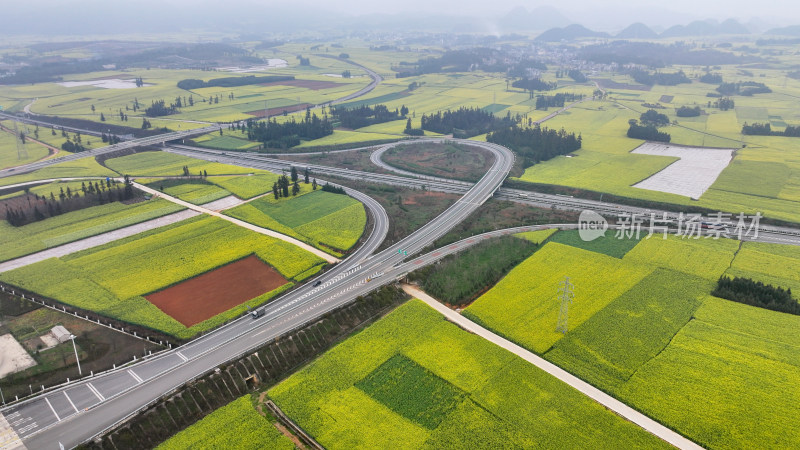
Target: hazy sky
(607,15)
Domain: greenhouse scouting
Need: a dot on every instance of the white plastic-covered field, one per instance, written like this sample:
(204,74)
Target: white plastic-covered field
(691,175)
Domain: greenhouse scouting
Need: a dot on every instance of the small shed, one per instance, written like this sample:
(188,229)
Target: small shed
(60,333)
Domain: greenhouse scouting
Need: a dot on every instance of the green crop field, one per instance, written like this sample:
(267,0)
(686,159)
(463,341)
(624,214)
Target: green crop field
(610,244)
(346,137)
(523,306)
(609,347)
(197,192)
(246,187)
(86,167)
(235,425)
(415,380)
(325,220)
(707,258)
(111,279)
(9,155)
(714,370)
(725,377)
(774,264)
(539,236)
(75,225)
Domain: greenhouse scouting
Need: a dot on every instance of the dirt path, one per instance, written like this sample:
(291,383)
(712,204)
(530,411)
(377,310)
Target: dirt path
(555,113)
(53,150)
(648,424)
(285,431)
(240,223)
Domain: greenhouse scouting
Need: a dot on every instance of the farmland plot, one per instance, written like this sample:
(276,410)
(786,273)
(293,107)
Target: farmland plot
(523,306)
(414,380)
(331,222)
(76,225)
(724,377)
(112,279)
(691,175)
(235,425)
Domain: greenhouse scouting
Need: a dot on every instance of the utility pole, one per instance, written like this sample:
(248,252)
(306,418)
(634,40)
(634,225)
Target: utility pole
(565,294)
(22,153)
(80,372)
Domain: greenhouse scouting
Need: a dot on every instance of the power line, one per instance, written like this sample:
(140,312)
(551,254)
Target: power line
(565,294)
(22,153)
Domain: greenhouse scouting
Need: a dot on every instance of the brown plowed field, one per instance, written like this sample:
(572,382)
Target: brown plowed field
(211,293)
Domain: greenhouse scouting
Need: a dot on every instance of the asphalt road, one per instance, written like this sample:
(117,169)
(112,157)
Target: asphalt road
(78,412)
(766,233)
(152,140)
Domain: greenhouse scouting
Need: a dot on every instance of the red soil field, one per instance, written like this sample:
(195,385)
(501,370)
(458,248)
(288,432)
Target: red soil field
(211,293)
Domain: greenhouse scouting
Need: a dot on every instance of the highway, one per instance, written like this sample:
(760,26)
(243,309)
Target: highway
(152,140)
(79,411)
(767,233)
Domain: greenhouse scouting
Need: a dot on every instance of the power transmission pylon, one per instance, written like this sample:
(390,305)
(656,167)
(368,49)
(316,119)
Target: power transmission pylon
(22,153)
(565,294)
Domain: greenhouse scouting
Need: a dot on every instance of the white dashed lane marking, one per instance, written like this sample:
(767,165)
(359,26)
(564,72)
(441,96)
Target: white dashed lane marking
(135,377)
(52,409)
(70,401)
(95,392)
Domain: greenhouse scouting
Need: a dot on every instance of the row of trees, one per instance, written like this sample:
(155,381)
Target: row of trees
(723,104)
(765,129)
(534,84)
(685,111)
(111,139)
(280,188)
(660,78)
(535,144)
(577,75)
(363,116)
(159,108)
(647,132)
(40,207)
(288,134)
(190,83)
(756,293)
(711,78)
(654,118)
(746,88)
(464,122)
(557,101)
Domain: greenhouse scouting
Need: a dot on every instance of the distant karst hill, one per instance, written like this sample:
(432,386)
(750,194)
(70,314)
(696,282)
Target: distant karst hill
(793,30)
(637,30)
(706,28)
(569,33)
